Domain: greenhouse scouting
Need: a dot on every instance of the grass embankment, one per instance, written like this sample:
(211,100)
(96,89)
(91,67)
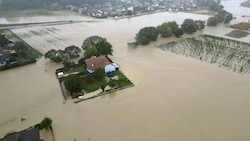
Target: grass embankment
(241,26)
(18,60)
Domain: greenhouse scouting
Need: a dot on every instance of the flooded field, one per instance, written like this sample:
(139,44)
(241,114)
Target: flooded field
(174,97)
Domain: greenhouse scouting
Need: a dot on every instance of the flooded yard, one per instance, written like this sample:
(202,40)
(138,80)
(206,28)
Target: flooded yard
(174,97)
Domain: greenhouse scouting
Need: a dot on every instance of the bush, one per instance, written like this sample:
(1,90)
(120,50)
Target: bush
(45,123)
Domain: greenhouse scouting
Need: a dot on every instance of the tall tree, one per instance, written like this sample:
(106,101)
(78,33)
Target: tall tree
(102,46)
(3,40)
(90,51)
(189,26)
(73,83)
(72,51)
(164,30)
(21,49)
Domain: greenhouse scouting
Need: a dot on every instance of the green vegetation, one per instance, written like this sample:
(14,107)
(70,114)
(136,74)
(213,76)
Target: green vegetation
(222,16)
(62,55)
(166,30)
(73,83)
(76,83)
(10,133)
(77,68)
(45,123)
(96,45)
(76,78)
(189,26)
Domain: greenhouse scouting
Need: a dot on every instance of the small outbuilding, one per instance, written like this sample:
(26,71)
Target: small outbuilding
(109,68)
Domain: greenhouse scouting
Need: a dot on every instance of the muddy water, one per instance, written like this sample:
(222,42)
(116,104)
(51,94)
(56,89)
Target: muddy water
(174,97)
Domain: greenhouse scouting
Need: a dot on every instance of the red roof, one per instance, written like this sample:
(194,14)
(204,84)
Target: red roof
(94,62)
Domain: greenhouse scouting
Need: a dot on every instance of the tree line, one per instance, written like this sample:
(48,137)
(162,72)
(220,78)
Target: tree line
(92,46)
(166,30)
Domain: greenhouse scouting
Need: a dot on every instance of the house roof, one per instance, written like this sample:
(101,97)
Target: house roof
(96,62)
(25,135)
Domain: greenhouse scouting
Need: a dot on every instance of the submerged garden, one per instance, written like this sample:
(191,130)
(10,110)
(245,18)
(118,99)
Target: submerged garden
(226,53)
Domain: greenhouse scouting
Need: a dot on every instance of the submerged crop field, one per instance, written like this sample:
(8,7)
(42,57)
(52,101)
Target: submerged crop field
(226,53)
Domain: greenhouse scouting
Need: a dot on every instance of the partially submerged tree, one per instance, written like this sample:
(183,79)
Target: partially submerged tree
(45,123)
(56,55)
(90,51)
(62,55)
(212,21)
(146,34)
(72,51)
(103,47)
(73,83)
(200,24)
(178,32)
(164,30)
(189,26)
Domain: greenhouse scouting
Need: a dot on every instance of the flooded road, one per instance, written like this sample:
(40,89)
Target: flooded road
(174,97)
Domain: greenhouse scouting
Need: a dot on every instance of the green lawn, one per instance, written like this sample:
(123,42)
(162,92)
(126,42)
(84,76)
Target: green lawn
(78,68)
(90,86)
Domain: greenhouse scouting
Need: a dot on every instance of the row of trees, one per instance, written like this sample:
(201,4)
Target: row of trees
(167,29)
(92,46)
(221,17)
(63,55)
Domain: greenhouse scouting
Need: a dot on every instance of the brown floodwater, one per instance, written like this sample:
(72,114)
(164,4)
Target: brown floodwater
(174,97)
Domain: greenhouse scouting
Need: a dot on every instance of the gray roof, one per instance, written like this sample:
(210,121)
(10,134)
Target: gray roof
(25,135)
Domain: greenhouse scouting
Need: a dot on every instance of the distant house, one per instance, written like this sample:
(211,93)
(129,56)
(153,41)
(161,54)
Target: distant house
(25,135)
(4,56)
(102,62)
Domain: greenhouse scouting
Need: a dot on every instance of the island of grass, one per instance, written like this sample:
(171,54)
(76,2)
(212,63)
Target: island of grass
(94,71)
(15,52)
(229,54)
(76,81)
